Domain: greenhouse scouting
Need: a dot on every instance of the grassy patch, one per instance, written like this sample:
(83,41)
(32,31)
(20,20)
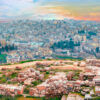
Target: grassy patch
(7,98)
(46,76)
(13,75)
(44,98)
(96,98)
(76,76)
(35,83)
(21,62)
(3,79)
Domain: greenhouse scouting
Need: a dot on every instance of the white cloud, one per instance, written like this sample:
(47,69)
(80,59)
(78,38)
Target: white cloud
(11,8)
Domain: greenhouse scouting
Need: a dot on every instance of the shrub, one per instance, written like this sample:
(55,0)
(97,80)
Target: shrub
(3,80)
(13,75)
(26,90)
(35,83)
(47,72)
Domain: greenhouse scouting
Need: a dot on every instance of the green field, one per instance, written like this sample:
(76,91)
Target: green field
(26,98)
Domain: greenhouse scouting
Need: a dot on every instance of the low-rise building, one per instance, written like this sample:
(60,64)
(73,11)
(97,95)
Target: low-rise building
(97,90)
(11,90)
(96,79)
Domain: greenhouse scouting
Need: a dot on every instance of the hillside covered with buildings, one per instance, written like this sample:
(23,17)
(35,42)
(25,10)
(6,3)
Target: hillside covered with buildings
(29,39)
(51,80)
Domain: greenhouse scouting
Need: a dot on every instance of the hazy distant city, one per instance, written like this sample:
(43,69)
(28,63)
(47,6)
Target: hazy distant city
(46,39)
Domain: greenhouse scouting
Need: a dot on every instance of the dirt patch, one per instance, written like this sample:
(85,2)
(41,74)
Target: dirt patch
(67,67)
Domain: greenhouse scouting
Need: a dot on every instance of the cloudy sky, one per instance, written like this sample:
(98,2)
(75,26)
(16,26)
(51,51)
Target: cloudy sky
(50,9)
